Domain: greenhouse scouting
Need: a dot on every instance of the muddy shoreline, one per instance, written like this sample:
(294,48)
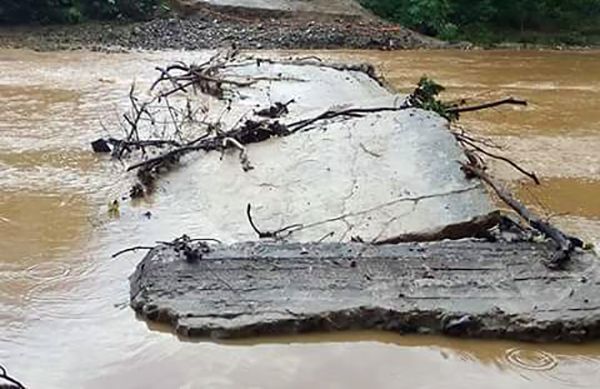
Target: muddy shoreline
(212,29)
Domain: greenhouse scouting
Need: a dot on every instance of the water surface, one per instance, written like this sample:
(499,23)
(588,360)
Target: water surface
(64,319)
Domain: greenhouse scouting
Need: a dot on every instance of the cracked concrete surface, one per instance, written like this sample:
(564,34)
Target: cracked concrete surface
(376,176)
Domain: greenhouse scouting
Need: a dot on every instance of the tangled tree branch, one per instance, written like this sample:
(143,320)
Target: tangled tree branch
(565,244)
(277,234)
(471,144)
(210,78)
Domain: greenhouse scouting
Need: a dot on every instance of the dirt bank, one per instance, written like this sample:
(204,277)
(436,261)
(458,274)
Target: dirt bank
(211,27)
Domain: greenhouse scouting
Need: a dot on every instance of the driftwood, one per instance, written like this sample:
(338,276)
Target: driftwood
(192,248)
(565,244)
(130,249)
(493,104)
(252,131)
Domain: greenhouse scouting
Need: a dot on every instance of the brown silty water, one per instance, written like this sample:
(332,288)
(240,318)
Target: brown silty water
(64,318)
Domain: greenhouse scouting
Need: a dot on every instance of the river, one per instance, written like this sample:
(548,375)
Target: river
(64,315)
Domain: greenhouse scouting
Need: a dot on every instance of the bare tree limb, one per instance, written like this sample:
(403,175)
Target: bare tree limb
(115,255)
(470,143)
(509,100)
(564,244)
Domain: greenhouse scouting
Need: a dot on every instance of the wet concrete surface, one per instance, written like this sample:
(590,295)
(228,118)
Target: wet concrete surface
(463,288)
(376,176)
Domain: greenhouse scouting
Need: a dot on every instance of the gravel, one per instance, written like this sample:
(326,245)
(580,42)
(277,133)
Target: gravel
(207,31)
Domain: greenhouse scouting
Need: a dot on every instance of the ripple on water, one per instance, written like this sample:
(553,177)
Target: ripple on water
(48,271)
(534,360)
(571,370)
(578,371)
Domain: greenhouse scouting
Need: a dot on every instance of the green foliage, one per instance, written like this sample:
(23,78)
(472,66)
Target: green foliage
(74,11)
(455,19)
(425,97)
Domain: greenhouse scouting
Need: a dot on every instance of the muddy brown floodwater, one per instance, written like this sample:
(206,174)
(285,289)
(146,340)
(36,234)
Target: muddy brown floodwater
(64,319)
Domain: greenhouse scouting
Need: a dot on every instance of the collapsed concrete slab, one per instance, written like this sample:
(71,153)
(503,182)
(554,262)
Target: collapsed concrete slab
(464,288)
(375,176)
(347,160)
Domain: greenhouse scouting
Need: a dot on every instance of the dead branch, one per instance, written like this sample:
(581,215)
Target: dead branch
(243,152)
(269,234)
(206,77)
(564,244)
(470,143)
(119,253)
(11,381)
(493,104)
(462,133)
(351,112)
(249,132)
(275,111)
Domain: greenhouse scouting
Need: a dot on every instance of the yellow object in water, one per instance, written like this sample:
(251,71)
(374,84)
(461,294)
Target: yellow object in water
(114,209)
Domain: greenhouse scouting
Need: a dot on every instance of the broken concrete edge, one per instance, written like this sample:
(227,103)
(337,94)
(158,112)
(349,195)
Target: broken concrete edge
(493,323)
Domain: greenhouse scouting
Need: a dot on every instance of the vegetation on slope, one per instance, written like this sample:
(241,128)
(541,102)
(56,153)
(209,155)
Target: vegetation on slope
(74,11)
(490,21)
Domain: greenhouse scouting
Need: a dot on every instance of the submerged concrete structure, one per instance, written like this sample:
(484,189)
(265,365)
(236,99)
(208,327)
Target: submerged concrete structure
(374,176)
(464,288)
